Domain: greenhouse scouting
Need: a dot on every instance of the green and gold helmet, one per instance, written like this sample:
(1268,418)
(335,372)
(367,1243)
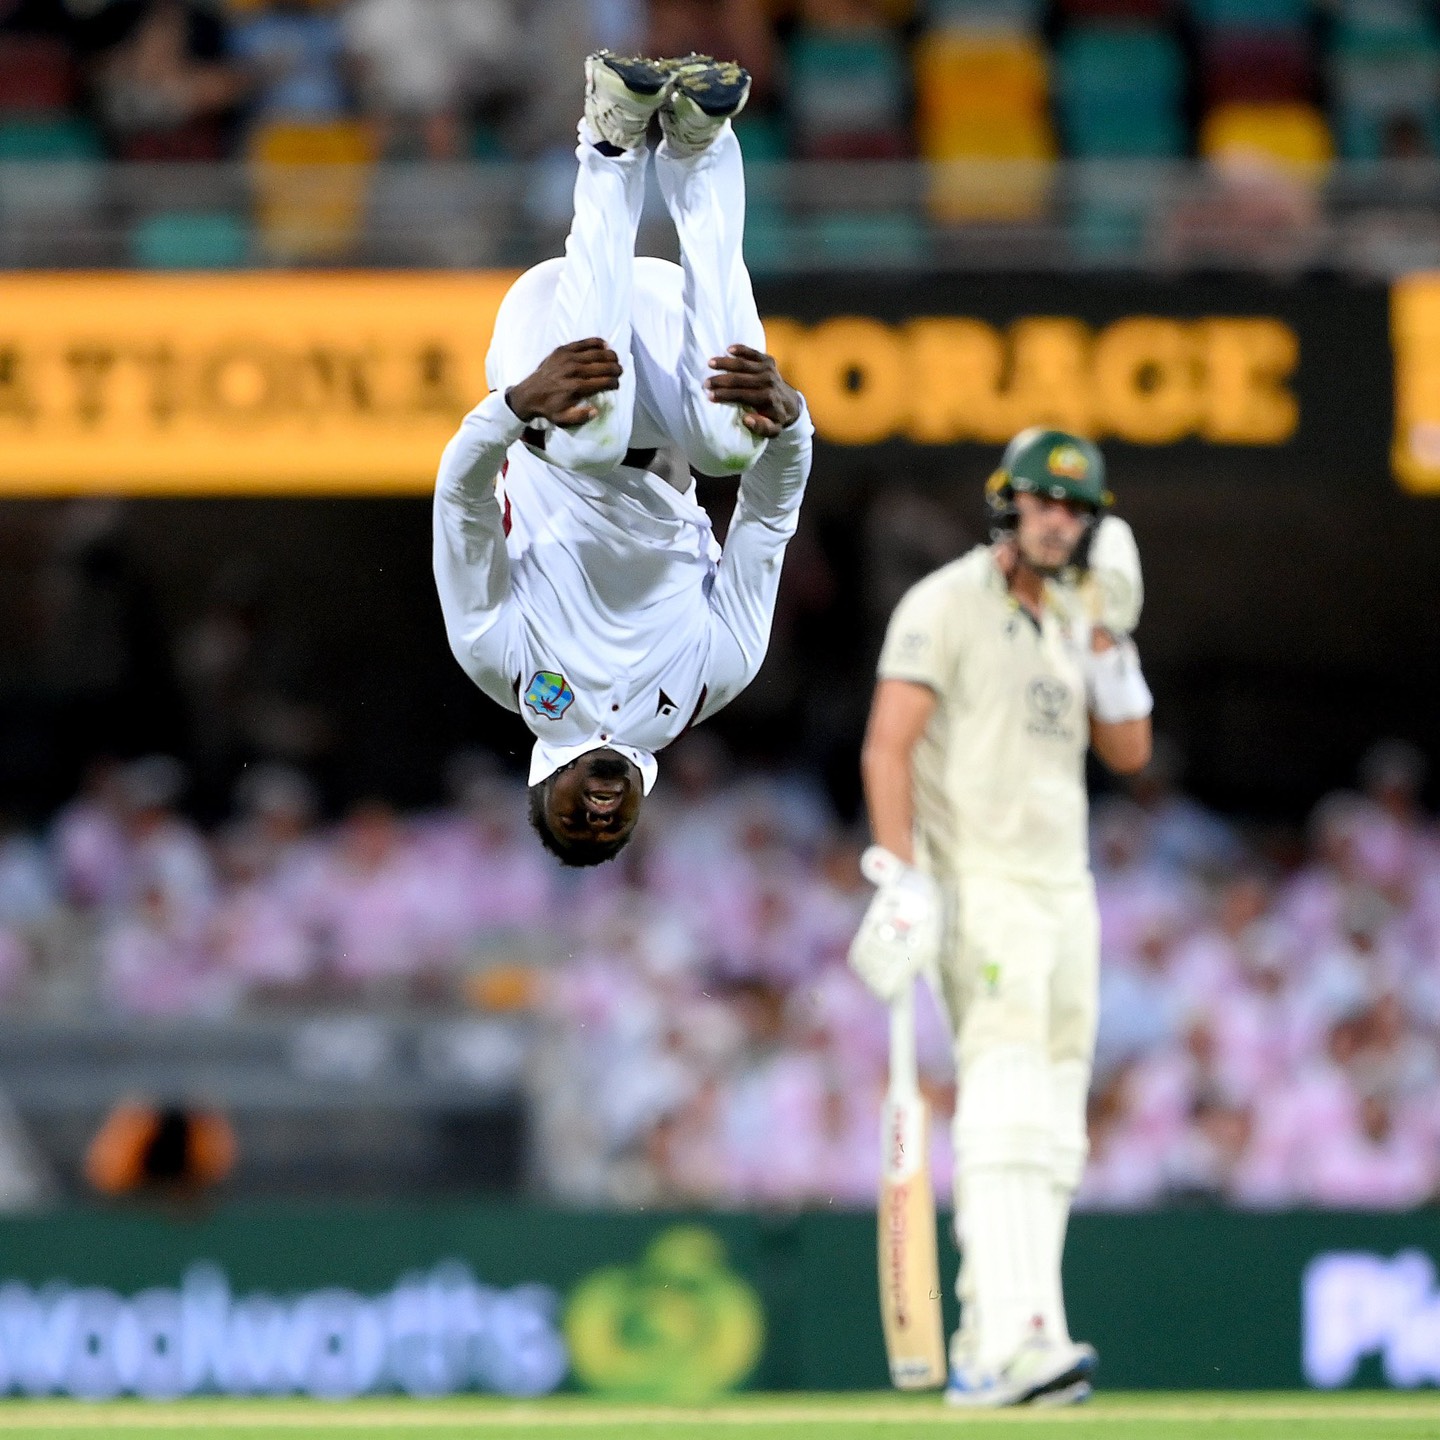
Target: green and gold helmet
(1046,462)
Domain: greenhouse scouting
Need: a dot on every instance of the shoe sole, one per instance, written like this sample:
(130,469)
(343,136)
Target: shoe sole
(1074,1378)
(1075,1394)
(719,88)
(638,75)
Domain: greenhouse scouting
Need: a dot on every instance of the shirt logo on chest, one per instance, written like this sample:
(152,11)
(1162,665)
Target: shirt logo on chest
(1048,699)
(549,694)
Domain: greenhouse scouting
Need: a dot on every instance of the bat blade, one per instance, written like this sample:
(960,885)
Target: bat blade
(909,1260)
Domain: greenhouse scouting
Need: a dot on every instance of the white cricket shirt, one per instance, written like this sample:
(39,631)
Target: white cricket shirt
(603,611)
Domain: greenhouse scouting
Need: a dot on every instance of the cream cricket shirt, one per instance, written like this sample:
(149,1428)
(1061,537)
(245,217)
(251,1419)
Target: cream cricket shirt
(1000,772)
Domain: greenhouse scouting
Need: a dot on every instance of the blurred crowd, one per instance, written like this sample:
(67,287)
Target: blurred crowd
(946,79)
(1269,1012)
(1267,92)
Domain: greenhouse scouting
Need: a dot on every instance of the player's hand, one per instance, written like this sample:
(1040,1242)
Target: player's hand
(901,932)
(752,380)
(564,380)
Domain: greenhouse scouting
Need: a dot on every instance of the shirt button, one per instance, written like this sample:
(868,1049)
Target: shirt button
(614,707)
(603,735)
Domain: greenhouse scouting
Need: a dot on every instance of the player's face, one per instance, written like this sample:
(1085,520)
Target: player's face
(1048,531)
(596,798)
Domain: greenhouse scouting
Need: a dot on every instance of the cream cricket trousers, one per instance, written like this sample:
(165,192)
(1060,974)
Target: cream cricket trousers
(1020,980)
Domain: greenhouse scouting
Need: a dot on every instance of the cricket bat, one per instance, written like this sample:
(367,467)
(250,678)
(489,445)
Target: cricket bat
(909,1260)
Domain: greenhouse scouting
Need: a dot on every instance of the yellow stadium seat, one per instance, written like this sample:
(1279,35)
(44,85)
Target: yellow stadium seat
(1294,134)
(983,96)
(311,184)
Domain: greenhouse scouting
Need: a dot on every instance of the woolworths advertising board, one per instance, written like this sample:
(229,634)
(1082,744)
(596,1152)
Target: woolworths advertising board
(435,1300)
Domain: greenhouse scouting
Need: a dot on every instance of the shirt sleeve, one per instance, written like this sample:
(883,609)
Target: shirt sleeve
(742,599)
(919,642)
(472,569)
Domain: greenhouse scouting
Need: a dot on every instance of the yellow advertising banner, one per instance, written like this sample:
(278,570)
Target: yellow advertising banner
(238,384)
(351,383)
(1415,338)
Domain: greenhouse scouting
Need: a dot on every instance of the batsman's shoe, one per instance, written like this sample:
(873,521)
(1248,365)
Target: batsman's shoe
(1038,1369)
(705,94)
(1075,1394)
(622,92)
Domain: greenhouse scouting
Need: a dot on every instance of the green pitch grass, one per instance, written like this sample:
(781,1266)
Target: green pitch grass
(749,1417)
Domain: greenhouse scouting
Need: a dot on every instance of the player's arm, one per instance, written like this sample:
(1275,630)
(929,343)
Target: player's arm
(899,713)
(767,511)
(472,569)
(1120,704)
(899,935)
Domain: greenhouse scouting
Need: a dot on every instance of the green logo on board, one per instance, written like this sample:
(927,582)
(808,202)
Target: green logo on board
(677,1326)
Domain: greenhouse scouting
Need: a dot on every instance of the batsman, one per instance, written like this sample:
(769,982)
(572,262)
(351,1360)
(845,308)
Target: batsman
(998,672)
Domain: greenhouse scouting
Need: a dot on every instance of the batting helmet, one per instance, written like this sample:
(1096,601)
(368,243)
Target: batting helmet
(1046,462)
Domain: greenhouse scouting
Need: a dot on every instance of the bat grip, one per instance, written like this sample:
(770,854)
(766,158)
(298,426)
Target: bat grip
(904,1071)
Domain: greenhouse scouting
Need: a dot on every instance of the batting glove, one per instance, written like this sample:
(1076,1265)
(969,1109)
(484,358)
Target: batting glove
(901,932)
(1114,566)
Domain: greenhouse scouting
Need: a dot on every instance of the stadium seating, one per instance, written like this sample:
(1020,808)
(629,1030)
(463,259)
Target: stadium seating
(982,96)
(1295,135)
(1384,76)
(49,165)
(1255,66)
(847,94)
(1120,92)
(311,185)
(36,74)
(1251,14)
(190,240)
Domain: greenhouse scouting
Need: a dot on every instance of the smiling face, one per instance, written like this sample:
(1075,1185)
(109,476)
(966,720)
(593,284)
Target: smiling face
(586,811)
(1048,530)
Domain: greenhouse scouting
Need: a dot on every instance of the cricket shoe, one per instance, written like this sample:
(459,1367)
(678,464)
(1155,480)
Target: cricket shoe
(622,92)
(1038,1370)
(704,95)
(1075,1394)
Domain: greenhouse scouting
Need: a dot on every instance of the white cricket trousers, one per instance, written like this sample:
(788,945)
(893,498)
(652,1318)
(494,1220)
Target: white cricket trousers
(665,322)
(1021,984)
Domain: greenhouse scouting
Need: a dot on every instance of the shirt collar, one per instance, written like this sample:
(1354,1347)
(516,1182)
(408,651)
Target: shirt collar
(546,759)
(1053,592)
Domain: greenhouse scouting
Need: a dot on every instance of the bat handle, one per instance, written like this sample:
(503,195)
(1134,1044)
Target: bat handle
(904,1070)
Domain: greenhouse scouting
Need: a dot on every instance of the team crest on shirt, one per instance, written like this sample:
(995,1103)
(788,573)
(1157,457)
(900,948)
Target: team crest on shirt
(1048,700)
(549,695)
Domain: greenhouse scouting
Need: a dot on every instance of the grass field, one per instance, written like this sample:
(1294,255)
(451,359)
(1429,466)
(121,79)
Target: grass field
(755,1417)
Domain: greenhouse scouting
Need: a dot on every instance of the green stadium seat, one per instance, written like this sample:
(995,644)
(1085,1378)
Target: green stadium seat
(1120,90)
(190,240)
(485,143)
(1383,23)
(865,238)
(848,94)
(1378,81)
(1251,14)
(762,137)
(1147,11)
(1020,16)
(1109,212)
(48,138)
(49,165)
